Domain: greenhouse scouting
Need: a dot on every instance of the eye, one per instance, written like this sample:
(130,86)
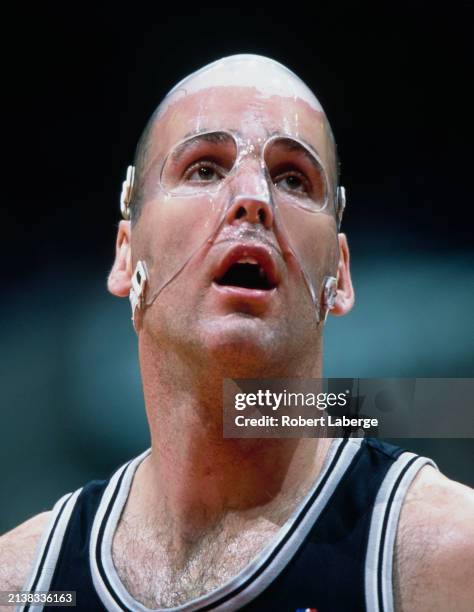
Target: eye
(204,172)
(294,182)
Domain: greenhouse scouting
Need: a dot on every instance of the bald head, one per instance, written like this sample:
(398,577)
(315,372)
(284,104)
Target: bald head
(266,78)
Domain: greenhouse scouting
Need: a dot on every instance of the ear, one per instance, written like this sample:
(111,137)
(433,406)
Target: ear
(120,277)
(345,292)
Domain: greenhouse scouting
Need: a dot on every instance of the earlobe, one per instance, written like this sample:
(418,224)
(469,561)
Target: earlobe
(120,277)
(345,296)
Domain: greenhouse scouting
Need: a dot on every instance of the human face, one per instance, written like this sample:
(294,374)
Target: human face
(244,255)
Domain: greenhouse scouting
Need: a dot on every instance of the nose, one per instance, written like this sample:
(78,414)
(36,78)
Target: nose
(251,209)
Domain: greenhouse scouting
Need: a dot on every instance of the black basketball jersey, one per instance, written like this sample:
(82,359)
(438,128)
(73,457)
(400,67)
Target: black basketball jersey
(333,554)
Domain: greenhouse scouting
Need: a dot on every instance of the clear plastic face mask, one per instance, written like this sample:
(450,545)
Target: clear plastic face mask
(203,185)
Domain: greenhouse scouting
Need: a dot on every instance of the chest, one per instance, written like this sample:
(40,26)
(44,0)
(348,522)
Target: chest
(153,576)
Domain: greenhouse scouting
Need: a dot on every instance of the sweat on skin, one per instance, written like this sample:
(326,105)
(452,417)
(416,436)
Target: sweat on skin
(254,110)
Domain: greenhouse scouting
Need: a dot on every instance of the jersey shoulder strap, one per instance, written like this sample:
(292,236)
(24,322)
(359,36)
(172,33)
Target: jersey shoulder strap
(344,562)
(384,523)
(69,524)
(62,561)
(49,545)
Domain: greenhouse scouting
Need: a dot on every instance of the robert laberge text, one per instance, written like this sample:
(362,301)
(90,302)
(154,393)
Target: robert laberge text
(299,421)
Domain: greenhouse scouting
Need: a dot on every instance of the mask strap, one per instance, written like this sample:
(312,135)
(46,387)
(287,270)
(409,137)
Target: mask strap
(329,295)
(137,290)
(340,204)
(330,283)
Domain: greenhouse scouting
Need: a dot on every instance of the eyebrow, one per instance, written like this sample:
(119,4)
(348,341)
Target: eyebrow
(296,141)
(311,155)
(220,136)
(217,137)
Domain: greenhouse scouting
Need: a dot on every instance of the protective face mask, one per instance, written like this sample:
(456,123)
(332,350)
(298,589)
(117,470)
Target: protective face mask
(207,177)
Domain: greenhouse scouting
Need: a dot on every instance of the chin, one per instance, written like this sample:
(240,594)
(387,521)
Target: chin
(243,346)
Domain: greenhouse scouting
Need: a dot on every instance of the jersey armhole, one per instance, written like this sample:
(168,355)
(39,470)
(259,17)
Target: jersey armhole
(379,595)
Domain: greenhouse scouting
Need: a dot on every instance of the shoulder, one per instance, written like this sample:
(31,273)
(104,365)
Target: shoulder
(434,556)
(17,551)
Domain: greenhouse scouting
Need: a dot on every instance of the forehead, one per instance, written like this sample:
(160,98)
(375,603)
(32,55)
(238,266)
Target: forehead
(247,110)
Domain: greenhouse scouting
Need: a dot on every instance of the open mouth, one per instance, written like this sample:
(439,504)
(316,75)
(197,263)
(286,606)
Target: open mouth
(248,267)
(246,273)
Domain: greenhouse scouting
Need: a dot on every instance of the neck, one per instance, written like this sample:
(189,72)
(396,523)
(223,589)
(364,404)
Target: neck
(194,480)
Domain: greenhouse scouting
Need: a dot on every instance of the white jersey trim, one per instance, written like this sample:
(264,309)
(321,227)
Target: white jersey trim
(107,496)
(48,549)
(379,595)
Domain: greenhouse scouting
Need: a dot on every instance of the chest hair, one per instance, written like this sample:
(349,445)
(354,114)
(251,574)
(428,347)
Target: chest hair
(150,574)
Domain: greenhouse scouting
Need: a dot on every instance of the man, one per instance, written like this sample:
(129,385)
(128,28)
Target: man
(233,258)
